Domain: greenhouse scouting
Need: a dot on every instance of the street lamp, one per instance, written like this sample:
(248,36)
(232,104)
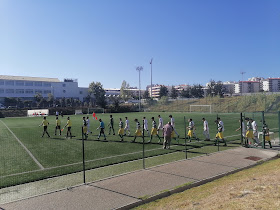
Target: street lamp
(139,69)
(151,78)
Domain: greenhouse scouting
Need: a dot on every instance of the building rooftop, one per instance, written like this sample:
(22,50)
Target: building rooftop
(41,79)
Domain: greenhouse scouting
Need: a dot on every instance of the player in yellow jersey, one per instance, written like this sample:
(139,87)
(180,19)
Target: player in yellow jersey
(57,126)
(45,124)
(121,129)
(68,125)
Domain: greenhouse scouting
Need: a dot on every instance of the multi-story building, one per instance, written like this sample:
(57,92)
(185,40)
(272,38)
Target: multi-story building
(247,87)
(156,89)
(27,87)
(271,85)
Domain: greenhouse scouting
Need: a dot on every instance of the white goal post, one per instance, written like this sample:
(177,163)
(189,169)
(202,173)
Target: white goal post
(37,112)
(205,108)
(78,111)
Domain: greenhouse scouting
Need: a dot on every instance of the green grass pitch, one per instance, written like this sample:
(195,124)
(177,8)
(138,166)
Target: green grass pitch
(58,155)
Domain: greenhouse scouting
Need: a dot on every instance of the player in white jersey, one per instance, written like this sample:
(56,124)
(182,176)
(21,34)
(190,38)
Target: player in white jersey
(126,128)
(243,129)
(160,123)
(206,129)
(145,123)
(88,125)
(255,132)
(172,121)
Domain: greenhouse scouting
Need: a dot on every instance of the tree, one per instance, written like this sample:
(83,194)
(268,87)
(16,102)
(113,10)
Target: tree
(196,91)
(146,94)
(185,93)
(125,93)
(50,99)
(215,88)
(96,89)
(163,91)
(174,92)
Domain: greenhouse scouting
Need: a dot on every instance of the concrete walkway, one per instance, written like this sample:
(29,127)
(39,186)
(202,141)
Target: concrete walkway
(132,189)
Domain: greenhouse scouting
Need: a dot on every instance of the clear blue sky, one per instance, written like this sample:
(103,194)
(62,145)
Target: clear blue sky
(191,41)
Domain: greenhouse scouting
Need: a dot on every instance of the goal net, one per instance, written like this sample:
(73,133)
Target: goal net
(201,108)
(95,110)
(37,112)
(78,111)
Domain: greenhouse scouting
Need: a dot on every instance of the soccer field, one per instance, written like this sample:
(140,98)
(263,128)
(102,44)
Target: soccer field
(25,156)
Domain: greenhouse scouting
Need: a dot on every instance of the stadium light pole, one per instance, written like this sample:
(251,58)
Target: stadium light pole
(151,78)
(139,69)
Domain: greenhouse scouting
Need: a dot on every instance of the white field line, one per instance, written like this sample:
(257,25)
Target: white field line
(132,153)
(24,147)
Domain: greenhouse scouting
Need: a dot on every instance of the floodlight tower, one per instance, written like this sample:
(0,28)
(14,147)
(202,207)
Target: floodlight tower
(151,62)
(242,73)
(139,69)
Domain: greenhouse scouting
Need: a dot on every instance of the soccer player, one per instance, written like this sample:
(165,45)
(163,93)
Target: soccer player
(191,128)
(266,134)
(220,133)
(249,132)
(126,128)
(160,124)
(111,125)
(206,129)
(85,128)
(255,132)
(45,124)
(88,125)
(154,131)
(121,129)
(102,129)
(138,131)
(57,126)
(69,126)
(172,121)
(145,123)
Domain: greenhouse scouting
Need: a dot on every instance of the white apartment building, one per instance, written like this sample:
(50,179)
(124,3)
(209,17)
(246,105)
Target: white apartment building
(247,87)
(27,87)
(271,85)
(156,89)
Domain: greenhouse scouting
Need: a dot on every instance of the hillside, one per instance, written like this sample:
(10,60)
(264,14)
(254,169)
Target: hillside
(253,103)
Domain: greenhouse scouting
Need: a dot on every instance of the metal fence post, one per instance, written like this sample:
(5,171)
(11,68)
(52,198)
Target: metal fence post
(143,138)
(185,137)
(84,167)
(263,131)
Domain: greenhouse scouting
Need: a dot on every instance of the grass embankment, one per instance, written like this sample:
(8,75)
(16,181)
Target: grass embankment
(253,103)
(254,188)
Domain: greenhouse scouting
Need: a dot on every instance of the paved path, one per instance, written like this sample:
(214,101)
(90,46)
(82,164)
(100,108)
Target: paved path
(129,190)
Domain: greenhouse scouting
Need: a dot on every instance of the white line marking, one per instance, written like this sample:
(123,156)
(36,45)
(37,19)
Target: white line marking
(24,147)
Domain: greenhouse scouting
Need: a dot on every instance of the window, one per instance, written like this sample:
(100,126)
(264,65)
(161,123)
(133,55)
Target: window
(10,91)
(28,83)
(38,84)
(19,83)
(47,84)
(20,91)
(81,92)
(63,85)
(9,82)
(64,91)
(1,91)
(47,91)
(2,82)
(38,91)
(29,91)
